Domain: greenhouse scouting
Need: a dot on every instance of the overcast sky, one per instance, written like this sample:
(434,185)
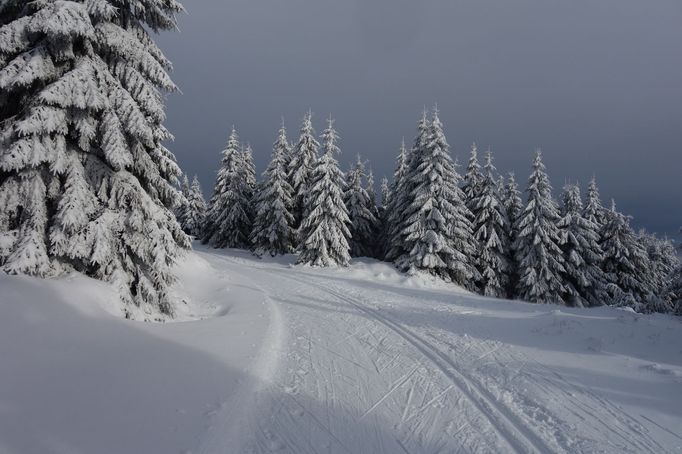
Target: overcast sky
(597,84)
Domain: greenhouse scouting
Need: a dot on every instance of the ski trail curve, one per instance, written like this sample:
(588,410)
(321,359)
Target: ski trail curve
(232,421)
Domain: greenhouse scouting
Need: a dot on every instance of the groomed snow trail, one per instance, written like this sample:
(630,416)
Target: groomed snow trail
(378,367)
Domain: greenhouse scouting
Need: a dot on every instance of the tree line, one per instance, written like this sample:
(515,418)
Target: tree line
(475,229)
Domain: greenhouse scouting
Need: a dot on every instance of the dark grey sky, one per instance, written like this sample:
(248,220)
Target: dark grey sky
(597,84)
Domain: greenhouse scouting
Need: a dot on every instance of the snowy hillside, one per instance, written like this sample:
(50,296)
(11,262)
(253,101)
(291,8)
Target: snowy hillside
(270,357)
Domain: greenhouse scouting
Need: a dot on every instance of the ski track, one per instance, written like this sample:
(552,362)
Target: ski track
(354,379)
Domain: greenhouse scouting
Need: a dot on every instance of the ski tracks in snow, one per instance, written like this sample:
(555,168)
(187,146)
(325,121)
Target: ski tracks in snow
(355,377)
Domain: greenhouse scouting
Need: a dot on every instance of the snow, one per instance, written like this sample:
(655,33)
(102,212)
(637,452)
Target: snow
(76,379)
(266,356)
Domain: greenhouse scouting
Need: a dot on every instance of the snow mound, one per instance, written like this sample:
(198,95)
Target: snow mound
(76,377)
(199,291)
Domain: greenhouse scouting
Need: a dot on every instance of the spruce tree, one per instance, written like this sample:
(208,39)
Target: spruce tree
(272,230)
(360,208)
(377,248)
(383,217)
(594,211)
(324,230)
(584,281)
(471,185)
(181,210)
(195,212)
(664,263)
(371,192)
(540,259)
(464,273)
(513,206)
(385,193)
(500,186)
(390,205)
(490,232)
(437,232)
(303,159)
(227,221)
(402,190)
(626,263)
(85,181)
(249,167)
(676,288)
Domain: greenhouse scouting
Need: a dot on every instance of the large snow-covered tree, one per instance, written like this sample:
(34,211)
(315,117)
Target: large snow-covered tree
(249,170)
(513,206)
(594,211)
(664,264)
(249,167)
(301,164)
(228,222)
(437,232)
(626,263)
(361,212)
(676,289)
(273,231)
(490,231)
(372,194)
(324,231)
(584,280)
(385,190)
(385,193)
(194,214)
(401,192)
(540,259)
(471,183)
(85,182)
(181,209)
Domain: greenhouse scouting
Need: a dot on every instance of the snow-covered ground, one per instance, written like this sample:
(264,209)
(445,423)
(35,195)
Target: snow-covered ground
(270,357)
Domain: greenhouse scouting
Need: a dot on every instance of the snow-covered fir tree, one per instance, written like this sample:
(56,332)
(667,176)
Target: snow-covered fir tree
(584,280)
(401,192)
(664,263)
(626,263)
(676,289)
(513,205)
(471,183)
(594,211)
(676,292)
(228,223)
(375,208)
(301,164)
(273,231)
(490,232)
(385,190)
(324,231)
(363,221)
(182,207)
(385,193)
(500,185)
(371,192)
(437,233)
(195,211)
(249,167)
(539,257)
(85,182)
